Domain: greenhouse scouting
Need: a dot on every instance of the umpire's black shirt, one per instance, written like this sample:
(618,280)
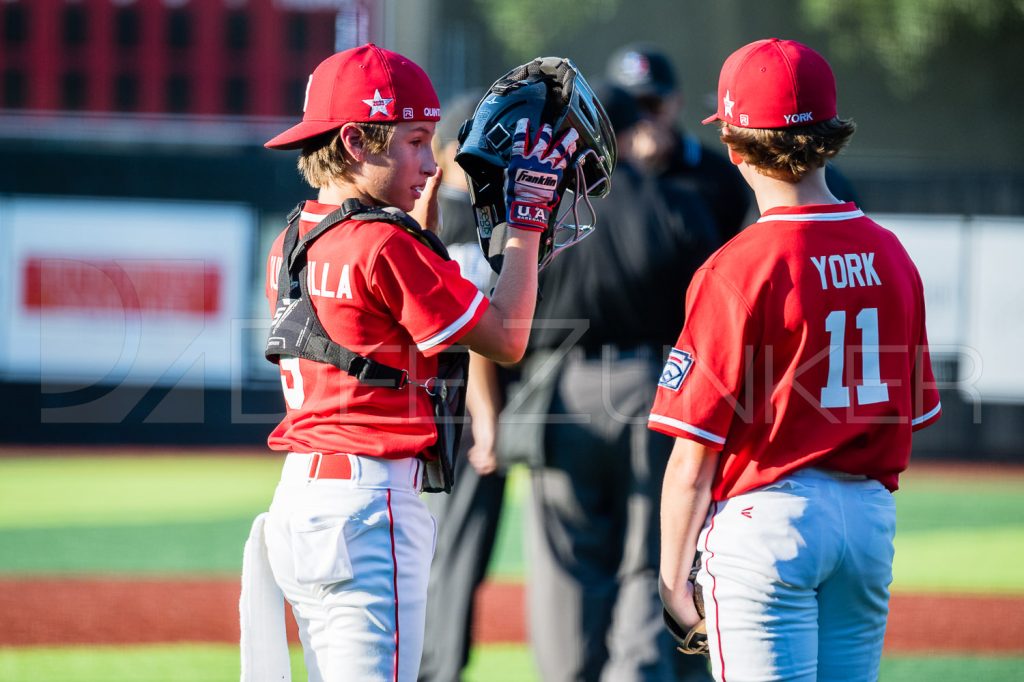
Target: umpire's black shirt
(711,175)
(627,281)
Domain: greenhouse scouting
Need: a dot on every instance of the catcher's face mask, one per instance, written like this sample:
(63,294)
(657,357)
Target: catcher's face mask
(547,90)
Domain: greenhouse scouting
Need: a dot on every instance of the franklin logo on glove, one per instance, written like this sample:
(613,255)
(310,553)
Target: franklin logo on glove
(533,174)
(540,180)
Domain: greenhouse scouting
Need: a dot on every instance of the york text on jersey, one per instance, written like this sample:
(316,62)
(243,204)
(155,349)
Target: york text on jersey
(847,270)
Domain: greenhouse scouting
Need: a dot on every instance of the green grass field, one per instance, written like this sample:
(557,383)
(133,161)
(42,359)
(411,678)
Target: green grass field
(149,516)
(496,663)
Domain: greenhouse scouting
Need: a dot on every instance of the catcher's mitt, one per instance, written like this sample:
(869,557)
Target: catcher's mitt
(696,640)
(551,91)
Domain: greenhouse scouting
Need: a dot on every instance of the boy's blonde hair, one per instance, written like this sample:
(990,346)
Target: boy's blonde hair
(324,159)
(789,153)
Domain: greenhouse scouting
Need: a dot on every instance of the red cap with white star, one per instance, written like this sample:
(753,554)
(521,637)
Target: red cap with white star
(775,83)
(366,84)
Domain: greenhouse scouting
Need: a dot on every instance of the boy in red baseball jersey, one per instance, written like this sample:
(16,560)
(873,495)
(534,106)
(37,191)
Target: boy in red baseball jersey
(347,539)
(793,389)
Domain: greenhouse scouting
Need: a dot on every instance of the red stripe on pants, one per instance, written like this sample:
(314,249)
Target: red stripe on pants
(714,583)
(394,564)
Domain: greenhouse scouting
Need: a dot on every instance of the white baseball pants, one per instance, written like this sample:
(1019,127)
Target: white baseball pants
(353,558)
(795,577)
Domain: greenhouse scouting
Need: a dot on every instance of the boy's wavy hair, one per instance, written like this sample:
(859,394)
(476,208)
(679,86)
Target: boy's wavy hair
(789,153)
(324,159)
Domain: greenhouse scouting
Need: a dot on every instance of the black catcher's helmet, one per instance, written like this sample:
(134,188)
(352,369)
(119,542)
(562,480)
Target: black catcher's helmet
(547,90)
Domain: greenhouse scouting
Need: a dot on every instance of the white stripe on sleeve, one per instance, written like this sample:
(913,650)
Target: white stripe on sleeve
(925,417)
(454,327)
(689,428)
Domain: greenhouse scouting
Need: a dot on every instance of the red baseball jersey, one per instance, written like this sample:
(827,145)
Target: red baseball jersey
(379,292)
(804,345)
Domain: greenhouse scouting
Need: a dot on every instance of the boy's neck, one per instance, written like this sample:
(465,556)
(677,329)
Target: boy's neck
(774,193)
(336,194)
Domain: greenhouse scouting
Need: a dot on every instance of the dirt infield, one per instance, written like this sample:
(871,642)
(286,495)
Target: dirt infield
(99,611)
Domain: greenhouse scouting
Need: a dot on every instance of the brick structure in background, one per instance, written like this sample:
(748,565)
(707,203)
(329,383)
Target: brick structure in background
(200,57)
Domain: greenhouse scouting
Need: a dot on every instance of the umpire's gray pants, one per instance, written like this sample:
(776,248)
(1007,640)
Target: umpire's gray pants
(467,522)
(593,530)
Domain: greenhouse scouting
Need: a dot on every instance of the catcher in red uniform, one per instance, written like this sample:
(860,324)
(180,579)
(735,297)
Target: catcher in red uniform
(365,302)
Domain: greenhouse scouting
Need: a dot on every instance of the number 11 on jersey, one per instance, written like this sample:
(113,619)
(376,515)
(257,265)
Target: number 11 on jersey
(872,389)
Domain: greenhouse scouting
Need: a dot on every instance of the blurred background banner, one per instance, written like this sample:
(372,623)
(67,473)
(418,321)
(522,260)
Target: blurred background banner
(937,244)
(996,307)
(131,135)
(126,292)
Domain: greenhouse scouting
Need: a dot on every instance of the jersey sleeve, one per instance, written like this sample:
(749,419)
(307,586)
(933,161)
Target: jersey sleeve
(472,264)
(426,294)
(699,388)
(925,393)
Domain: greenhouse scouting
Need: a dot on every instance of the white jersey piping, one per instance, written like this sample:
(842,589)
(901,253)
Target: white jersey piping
(801,217)
(454,326)
(925,417)
(308,217)
(689,428)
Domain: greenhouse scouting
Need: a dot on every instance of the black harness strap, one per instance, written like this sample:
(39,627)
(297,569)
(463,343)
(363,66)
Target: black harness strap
(296,330)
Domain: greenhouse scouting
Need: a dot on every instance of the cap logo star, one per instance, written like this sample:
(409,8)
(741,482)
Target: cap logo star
(378,105)
(728,104)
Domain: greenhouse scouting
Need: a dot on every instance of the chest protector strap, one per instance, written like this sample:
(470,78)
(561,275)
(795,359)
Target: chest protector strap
(296,332)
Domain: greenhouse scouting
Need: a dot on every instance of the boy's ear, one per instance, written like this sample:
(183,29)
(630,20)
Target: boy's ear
(352,138)
(735,157)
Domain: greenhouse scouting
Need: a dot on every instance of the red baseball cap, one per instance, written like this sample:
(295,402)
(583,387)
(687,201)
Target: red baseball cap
(775,83)
(362,85)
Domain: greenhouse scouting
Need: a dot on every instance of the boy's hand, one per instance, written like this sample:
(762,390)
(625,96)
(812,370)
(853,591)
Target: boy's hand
(533,175)
(426,211)
(482,456)
(684,616)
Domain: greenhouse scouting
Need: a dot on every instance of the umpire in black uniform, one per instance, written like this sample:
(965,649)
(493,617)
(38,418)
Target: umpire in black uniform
(610,307)
(665,149)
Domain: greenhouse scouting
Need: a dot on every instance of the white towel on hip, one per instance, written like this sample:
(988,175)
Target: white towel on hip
(264,643)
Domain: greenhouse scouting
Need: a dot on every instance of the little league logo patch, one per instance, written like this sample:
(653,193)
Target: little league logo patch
(676,369)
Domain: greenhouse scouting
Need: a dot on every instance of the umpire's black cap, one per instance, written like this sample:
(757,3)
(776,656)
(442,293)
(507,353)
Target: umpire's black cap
(643,70)
(622,108)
